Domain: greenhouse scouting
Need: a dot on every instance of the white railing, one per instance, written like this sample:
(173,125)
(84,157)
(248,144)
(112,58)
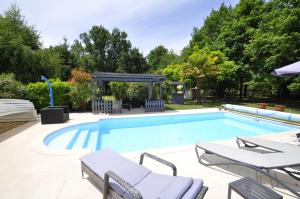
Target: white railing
(154,105)
(100,106)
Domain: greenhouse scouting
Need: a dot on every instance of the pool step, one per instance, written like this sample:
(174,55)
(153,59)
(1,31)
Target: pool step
(98,144)
(74,139)
(93,141)
(87,139)
(80,139)
(64,138)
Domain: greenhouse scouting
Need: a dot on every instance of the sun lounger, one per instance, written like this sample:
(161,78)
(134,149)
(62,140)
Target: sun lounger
(257,161)
(118,177)
(253,142)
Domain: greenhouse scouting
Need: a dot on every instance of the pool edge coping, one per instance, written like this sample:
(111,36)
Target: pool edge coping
(38,145)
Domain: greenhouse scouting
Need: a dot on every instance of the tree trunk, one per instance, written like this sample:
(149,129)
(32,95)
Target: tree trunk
(241,88)
(245,91)
(220,91)
(198,84)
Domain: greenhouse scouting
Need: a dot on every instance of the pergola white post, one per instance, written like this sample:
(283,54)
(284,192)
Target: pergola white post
(150,90)
(160,91)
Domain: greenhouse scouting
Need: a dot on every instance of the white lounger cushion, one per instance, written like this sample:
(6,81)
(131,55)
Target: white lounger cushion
(104,160)
(150,185)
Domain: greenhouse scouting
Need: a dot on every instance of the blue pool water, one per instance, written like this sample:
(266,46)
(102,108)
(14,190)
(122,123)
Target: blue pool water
(140,133)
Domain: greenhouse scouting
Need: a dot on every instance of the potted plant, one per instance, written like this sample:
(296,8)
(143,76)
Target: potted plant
(279,107)
(262,105)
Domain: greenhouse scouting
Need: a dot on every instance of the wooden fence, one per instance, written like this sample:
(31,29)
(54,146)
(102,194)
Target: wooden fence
(100,106)
(154,105)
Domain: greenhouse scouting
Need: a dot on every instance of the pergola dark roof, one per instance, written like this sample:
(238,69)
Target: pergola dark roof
(127,77)
(176,83)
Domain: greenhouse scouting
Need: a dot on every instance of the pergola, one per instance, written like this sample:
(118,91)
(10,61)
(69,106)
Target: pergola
(100,77)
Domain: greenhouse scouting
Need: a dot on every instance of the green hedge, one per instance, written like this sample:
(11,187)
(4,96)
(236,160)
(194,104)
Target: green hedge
(38,93)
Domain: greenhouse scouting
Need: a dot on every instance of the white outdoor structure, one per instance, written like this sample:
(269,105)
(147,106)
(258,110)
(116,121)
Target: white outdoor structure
(17,110)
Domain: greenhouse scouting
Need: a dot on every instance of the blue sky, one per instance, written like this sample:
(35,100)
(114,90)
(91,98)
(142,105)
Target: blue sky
(148,23)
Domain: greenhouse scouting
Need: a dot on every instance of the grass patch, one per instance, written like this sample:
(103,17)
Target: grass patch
(293,106)
(192,105)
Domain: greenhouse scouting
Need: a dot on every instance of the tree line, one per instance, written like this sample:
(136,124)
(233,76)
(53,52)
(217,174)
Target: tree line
(235,49)
(98,49)
(259,36)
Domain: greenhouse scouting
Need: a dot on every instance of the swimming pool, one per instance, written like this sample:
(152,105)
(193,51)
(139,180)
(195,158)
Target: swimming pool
(140,133)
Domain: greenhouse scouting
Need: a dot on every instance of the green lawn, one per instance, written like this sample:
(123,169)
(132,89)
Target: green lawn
(192,105)
(293,106)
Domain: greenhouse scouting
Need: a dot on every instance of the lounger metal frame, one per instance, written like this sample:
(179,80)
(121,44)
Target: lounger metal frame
(103,184)
(247,144)
(263,170)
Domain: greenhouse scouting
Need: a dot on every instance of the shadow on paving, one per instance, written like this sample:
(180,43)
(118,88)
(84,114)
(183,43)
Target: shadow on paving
(9,129)
(241,171)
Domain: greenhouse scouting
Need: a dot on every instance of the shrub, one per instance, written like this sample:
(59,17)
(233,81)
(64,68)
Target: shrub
(10,87)
(79,75)
(138,91)
(38,93)
(81,89)
(109,98)
(262,87)
(81,95)
(295,87)
(119,89)
(134,91)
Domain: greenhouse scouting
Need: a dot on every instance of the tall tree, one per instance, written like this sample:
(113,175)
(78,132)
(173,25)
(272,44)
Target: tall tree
(96,43)
(208,34)
(108,52)
(83,58)
(49,63)
(18,43)
(258,35)
(276,43)
(160,57)
(68,59)
(133,62)
(206,66)
(237,32)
